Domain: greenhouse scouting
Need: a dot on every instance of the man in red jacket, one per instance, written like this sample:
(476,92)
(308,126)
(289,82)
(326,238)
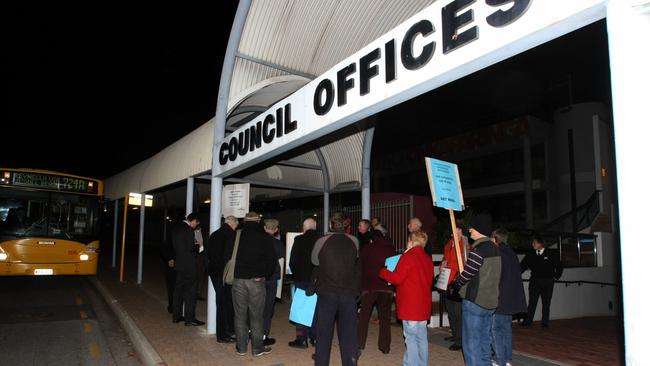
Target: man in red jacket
(413,277)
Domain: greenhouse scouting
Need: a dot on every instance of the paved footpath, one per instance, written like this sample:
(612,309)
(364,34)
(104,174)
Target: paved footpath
(178,344)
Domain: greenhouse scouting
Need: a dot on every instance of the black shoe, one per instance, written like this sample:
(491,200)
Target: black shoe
(544,325)
(385,352)
(298,344)
(262,352)
(200,298)
(269,341)
(450,338)
(194,322)
(178,319)
(524,324)
(226,340)
(455,347)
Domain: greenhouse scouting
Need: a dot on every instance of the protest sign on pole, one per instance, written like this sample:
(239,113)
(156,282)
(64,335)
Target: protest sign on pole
(446,192)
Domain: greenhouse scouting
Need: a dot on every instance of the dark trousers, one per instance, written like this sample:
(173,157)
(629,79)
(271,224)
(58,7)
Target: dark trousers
(170,283)
(269,304)
(343,310)
(537,287)
(383,301)
(455,315)
(225,311)
(185,293)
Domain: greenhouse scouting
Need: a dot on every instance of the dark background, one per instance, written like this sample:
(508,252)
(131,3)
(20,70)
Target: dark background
(94,88)
(84,83)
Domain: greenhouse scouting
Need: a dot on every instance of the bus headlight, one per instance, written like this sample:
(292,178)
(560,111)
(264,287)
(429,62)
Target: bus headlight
(83,257)
(3,256)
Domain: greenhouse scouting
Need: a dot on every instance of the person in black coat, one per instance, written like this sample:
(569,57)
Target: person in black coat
(302,268)
(186,271)
(219,251)
(545,268)
(168,258)
(512,299)
(256,261)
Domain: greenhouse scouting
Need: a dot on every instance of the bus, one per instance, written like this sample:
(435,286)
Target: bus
(49,223)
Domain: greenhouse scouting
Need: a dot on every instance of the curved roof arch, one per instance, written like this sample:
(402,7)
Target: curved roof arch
(285,43)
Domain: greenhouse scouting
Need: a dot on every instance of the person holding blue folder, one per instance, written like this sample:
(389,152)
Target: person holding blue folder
(413,277)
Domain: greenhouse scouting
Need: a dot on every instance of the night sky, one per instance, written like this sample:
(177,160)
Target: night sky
(85,82)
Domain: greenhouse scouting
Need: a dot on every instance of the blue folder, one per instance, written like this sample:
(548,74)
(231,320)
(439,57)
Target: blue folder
(391,262)
(302,308)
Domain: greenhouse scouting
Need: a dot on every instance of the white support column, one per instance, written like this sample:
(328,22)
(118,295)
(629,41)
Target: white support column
(326,212)
(219,134)
(628,26)
(141,238)
(189,196)
(365,173)
(115,211)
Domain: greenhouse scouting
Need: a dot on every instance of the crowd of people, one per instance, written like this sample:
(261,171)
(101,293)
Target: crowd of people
(349,275)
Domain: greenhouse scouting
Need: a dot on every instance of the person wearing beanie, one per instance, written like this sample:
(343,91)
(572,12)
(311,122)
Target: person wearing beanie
(256,261)
(478,285)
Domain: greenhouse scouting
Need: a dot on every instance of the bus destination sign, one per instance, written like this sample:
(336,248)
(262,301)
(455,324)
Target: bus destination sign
(54,182)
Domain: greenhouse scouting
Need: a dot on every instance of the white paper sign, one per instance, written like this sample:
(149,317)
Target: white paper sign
(443,279)
(235,200)
(278,291)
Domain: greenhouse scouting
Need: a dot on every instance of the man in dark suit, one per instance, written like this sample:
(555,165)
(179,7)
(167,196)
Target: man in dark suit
(169,260)
(186,270)
(219,251)
(545,268)
(301,268)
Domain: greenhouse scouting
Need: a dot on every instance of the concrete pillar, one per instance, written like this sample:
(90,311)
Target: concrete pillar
(219,134)
(365,173)
(189,196)
(628,26)
(141,238)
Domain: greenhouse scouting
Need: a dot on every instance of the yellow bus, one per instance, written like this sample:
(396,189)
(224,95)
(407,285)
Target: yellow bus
(49,223)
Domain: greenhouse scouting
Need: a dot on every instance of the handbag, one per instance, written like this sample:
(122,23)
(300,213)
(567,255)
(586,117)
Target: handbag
(229,268)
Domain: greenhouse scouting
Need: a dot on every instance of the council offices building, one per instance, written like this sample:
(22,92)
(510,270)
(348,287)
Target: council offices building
(283,87)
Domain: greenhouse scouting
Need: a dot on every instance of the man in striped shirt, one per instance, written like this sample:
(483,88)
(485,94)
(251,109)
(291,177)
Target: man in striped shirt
(478,285)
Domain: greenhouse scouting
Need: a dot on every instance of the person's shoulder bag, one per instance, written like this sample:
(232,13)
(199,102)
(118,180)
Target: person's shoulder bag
(229,268)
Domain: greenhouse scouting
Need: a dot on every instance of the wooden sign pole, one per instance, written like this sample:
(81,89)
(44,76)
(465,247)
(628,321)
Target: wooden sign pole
(459,258)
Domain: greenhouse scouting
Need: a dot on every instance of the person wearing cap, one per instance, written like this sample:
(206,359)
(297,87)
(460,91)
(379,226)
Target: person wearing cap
(272,227)
(337,278)
(255,262)
(478,285)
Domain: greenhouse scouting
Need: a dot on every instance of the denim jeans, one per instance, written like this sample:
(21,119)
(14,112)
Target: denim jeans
(248,297)
(417,346)
(502,338)
(477,326)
